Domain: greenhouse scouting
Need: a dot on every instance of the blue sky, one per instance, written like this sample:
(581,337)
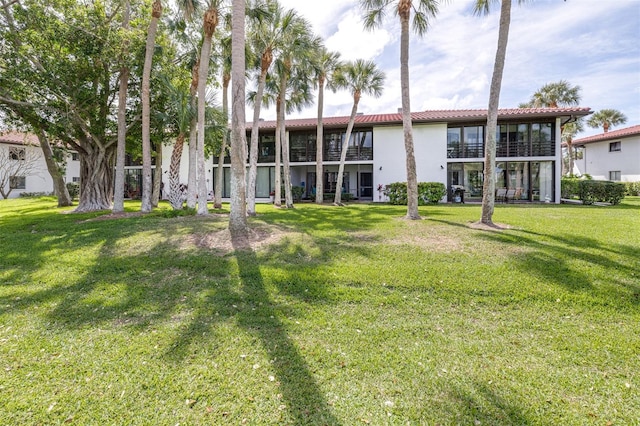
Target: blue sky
(591,43)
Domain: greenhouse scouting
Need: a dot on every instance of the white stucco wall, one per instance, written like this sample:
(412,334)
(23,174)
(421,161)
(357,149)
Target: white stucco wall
(430,149)
(598,161)
(39,180)
(167,150)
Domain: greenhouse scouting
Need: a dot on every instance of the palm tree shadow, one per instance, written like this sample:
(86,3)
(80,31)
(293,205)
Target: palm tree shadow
(300,391)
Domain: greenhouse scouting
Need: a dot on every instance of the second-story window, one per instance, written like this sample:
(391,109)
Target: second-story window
(615,146)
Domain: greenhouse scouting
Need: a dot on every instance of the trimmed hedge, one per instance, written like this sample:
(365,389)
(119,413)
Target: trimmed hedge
(428,193)
(569,187)
(590,191)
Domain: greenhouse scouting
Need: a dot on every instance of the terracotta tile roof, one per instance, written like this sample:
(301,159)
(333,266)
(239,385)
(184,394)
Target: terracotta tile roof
(614,134)
(18,138)
(432,116)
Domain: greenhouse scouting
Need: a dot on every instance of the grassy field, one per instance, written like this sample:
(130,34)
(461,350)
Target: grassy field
(334,316)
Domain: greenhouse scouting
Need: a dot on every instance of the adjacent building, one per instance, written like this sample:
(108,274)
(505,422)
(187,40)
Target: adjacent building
(613,155)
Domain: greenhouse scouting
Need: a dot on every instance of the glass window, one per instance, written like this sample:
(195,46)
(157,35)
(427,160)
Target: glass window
(542,141)
(75,156)
(502,142)
(542,181)
(518,179)
(18,182)
(615,146)
(17,154)
(614,175)
(454,136)
(473,179)
(473,141)
(266,149)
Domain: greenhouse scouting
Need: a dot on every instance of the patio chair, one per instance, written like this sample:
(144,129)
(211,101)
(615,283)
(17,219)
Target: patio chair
(510,195)
(500,194)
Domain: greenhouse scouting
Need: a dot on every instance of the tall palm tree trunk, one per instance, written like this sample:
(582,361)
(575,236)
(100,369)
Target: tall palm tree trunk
(193,136)
(277,201)
(404,10)
(209,26)
(238,209)
(255,135)
(288,198)
(118,190)
(489,184)
(146,108)
(345,146)
(319,144)
(157,177)
(175,195)
(217,203)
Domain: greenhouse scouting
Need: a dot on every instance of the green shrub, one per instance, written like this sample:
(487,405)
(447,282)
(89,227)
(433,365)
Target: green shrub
(185,211)
(428,193)
(590,191)
(74,190)
(569,187)
(297,192)
(431,192)
(632,188)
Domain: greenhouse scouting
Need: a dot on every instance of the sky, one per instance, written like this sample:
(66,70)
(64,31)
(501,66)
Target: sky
(594,44)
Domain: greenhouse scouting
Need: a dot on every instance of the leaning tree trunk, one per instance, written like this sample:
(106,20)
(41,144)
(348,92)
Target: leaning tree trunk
(146,107)
(345,145)
(96,177)
(175,195)
(59,186)
(238,210)
(489,184)
(407,126)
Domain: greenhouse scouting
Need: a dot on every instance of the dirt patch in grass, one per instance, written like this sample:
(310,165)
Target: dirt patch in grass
(222,242)
(485,227)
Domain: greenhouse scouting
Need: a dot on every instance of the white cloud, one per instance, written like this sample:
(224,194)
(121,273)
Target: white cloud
(591,43)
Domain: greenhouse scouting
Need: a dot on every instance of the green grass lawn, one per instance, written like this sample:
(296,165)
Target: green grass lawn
(341,316)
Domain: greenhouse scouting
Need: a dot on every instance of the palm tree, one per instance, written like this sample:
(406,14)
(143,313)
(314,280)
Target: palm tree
(569,131)
(209,25)
(288,85)
(156,12)
(118,191)
(424,10)
(489,184)
(554,95)
(359,77)
(269,35)
(225,49)
(324,68)
(238,214)
(606,118)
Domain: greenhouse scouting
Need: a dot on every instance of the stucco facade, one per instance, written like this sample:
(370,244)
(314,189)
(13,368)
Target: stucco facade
(614,155)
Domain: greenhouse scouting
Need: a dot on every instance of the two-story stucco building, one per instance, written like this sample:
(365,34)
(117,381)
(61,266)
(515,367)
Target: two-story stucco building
(449,148)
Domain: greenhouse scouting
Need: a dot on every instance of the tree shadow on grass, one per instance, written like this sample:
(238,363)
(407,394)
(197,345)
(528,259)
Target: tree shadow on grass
(306,402)
(569,260)
(483,405)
